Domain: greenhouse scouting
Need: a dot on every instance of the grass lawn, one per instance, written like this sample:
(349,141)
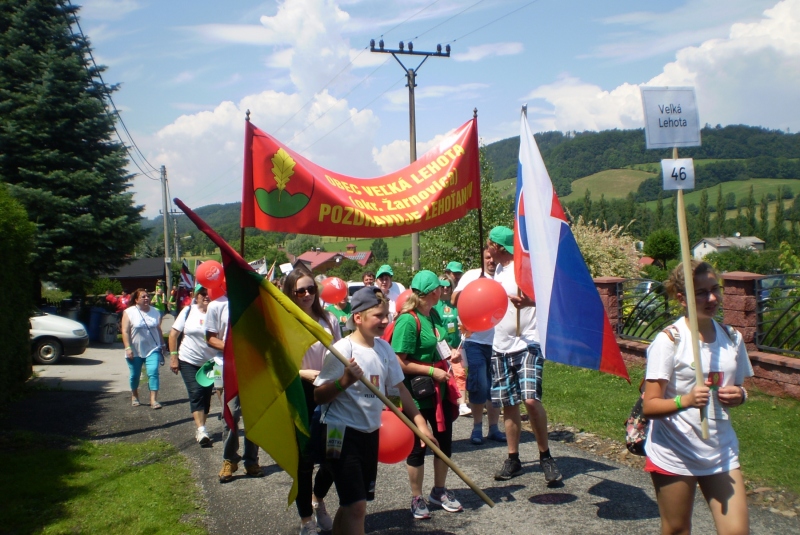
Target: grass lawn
(614,184)
(600,403)
(55,485)
(395,245)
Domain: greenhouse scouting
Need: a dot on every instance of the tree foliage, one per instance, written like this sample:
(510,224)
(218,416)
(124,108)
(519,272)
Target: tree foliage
(380,250)
(744,259)
(303,243)
(608,252)
(662,245)
(56,148)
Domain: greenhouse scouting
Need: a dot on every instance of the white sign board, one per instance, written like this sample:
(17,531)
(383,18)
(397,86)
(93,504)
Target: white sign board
(678,174)
(286,268)
(670,117)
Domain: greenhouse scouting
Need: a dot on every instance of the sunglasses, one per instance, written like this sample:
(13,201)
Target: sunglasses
(310,290)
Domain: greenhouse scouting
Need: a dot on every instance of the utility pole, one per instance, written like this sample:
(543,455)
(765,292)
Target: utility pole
(411,76)
(165,215)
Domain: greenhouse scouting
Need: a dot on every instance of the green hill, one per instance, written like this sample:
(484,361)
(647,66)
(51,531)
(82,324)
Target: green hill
(614,184)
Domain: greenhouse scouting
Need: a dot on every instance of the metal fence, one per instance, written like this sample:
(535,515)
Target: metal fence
(778,309)
(644,309)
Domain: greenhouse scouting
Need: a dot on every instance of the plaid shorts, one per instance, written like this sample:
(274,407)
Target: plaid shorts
(517,376)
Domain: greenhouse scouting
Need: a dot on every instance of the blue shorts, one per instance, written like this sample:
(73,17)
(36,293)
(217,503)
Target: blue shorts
(517,376)
(479,371)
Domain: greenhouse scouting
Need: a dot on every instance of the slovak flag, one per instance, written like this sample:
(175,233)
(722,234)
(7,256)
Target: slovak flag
(573,325)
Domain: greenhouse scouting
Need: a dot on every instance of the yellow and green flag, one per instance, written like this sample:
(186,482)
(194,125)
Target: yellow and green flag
(268,337)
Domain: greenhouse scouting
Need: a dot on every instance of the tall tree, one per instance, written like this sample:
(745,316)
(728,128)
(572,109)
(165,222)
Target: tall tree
(658,220)
(719,221)
(703,216)
(763,228)
(56,150)
(751,212)
(380,250)
(587,206)
(602,206)
(779,230)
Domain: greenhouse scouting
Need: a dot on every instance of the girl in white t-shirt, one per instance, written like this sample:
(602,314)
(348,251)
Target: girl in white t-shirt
(678,459)
(301,288)
(190,356)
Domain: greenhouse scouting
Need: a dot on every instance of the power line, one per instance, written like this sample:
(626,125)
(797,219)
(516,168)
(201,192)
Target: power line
(408,19)
(493,21)
(448,19)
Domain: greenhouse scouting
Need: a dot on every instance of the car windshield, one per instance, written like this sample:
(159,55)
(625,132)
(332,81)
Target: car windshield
(37,312)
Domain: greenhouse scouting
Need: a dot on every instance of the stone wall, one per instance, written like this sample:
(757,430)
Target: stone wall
(775,374)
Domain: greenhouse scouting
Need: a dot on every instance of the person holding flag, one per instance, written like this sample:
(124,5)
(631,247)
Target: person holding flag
(517,363)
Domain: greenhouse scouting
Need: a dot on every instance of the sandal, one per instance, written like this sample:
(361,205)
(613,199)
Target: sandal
(155,405)
(135,402)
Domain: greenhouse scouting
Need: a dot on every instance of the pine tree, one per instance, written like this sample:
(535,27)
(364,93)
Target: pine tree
(751,212)
(587,206)
(763,228)
(659,217)
(57,153)
(719,221)
(703,221)
(779,232)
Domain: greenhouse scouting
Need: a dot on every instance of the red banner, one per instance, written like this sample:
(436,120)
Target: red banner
(284,192)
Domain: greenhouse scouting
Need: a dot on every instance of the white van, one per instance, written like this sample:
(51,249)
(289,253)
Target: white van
(53,337)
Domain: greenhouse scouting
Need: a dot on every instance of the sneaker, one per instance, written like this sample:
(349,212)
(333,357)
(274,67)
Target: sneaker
(228,468)
(497,436)
(254,470)
(551,472)
(324,520)
(447,500)
(511,468)
(464,410)
(477,436)
(419,509)
(309,527)
(202,437)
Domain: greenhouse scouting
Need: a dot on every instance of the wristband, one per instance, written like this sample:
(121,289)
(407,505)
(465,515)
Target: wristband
(127,348)
(430,371)
(678,403)
(338,385)
(744,395)
(173,352)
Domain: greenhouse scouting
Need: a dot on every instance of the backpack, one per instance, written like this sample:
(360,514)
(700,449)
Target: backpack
(389,331)
(637,423)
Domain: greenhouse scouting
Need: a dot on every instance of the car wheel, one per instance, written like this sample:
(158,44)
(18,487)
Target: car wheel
(47,351)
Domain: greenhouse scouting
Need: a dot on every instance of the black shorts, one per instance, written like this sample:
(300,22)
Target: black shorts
(354,473)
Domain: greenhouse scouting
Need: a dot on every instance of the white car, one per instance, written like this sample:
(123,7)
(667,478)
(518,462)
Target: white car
(53,337)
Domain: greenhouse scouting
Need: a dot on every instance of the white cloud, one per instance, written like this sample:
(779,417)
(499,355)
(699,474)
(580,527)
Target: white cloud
(477,53)
(738,79)
(247,34)
(397,154)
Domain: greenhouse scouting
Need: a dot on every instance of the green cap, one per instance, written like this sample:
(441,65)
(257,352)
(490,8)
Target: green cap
(455,267)
(197,288)
(204,375)
(425,282)
(504,237)
(385,269)
(444,282)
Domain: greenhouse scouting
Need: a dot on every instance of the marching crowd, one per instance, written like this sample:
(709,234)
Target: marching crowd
(439,370)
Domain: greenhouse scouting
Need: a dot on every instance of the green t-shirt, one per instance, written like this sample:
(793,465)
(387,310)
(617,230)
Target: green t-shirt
(342,316)
(449,315)
(158,303)
(419,346)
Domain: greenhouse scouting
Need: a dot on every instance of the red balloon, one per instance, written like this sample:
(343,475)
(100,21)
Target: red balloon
(482,304)
(395,439)
(334,290)
(401,299)
(209,274)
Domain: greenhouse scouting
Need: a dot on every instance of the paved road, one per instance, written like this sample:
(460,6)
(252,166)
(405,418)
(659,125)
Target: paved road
(597,496)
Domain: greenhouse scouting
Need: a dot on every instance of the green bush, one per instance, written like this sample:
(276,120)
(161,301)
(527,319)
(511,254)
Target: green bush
(16,242)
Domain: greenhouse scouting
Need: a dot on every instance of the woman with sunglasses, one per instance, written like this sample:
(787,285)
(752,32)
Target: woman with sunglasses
(302,290)
(189,356)
(678,458)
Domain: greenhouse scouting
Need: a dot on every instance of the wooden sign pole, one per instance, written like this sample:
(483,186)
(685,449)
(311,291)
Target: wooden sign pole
(691,306)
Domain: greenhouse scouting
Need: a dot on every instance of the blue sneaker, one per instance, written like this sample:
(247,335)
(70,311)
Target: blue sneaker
(477,436)
(497,436)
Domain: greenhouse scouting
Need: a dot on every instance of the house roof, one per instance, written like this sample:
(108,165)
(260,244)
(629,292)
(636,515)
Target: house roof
(314,259)
(362,258)
(731,241)
(140,268)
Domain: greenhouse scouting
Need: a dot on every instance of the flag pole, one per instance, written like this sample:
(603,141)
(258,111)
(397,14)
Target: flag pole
(691,305)
(481,245)
(439,453)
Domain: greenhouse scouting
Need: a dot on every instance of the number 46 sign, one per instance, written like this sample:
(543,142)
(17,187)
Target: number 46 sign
(678,174)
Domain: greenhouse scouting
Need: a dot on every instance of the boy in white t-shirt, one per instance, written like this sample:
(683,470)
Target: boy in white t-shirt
(346,401)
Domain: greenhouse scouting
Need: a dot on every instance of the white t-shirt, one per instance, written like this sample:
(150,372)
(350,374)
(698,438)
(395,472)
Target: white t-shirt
(483,337)
(312,360)
(357,407)
(217,319)
(674,442)
(194,348)
(145,337)
(505,332)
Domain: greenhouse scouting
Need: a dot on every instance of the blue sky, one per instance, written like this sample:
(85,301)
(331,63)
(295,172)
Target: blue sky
(189,70)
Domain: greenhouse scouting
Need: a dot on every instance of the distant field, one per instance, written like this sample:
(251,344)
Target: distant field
(761,186)
(614,183)
(396,245)
(507,187)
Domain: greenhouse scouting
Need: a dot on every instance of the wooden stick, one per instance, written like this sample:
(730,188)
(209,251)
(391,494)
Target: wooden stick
(439,453)
(688,276)
(519,294)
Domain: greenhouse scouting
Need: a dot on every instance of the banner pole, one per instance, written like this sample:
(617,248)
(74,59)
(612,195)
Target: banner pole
(691,305)
(439,453)
(480,237)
